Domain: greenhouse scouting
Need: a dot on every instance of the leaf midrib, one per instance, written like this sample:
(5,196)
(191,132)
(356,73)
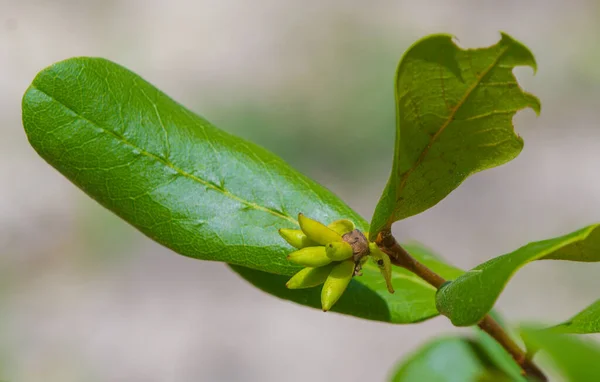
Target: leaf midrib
(448,121)
(170,165)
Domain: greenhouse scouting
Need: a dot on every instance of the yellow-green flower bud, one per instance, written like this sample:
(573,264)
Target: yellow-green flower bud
(342,226)
(384,264)
(309,277)
(317,231)
(338,251)
(310,257)
(296,238)
(336,283)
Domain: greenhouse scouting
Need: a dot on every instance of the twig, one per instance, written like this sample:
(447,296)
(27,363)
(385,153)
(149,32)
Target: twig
(400,257)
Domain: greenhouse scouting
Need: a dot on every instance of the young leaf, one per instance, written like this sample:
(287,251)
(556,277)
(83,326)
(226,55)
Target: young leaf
(574,356)
(454,110)
(449,359)
(367,295)
(466,302)
(190,186)
(181,181)
(584,322)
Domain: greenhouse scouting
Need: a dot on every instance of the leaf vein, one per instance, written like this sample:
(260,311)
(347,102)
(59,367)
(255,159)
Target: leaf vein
(448,121)
(170,165)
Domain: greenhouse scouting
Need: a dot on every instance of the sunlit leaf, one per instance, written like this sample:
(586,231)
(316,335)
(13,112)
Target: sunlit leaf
(454,110)
(470,297)
(190,186)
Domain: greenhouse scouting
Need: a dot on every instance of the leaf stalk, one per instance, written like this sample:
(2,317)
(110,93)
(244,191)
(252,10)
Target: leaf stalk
(401,258)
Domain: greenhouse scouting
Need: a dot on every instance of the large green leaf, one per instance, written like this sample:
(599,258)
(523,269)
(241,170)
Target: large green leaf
(454,118)
(574,356)
(584,322)
(190,186)
(170,173)
(450,359)
(367,296)
(470,297)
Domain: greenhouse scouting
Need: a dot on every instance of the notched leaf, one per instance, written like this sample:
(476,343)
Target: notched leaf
(454,110)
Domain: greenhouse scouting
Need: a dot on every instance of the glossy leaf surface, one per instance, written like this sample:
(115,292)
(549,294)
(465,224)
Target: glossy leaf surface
(192,187)
(170,173)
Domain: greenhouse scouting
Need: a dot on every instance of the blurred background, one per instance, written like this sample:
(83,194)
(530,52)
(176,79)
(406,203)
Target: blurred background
(85,297)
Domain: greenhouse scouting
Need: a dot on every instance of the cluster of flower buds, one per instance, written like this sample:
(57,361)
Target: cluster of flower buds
(328,258)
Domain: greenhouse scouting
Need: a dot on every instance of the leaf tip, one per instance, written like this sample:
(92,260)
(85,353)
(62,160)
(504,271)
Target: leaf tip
(523,56)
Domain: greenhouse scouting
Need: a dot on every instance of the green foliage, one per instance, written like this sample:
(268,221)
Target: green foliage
(497,355)
(471,296)
(575,357)
(192,187)
(586,321)
(452,359)
(170,173)
(207,194)
(454,110)
(367,296)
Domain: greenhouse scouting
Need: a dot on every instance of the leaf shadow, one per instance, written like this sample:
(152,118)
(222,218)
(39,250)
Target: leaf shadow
(358,300)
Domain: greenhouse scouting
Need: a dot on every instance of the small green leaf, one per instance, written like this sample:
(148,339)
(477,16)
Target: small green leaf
(449,359)
(181,181)
(454,110)
(367,295)
(194,188)
(470,297)
(443,360)
(584,322)
(574,356)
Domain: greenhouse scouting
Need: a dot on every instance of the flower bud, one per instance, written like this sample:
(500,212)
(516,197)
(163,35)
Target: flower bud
(384,264)
(342,226)
(339,251)
(296,238)
(317,231)
(309,277)
(310,257)
(336,283)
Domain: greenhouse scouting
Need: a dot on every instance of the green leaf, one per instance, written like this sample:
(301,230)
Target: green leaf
(499,356)
(575,357)
(454,110)
(450,359)
(192,187)
(584,322)
(470,297)
(367,296)
(181,181)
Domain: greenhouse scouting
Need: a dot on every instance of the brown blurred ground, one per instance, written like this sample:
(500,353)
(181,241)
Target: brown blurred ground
(85,297)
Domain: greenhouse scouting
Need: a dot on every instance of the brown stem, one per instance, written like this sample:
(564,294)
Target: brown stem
(400,257)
